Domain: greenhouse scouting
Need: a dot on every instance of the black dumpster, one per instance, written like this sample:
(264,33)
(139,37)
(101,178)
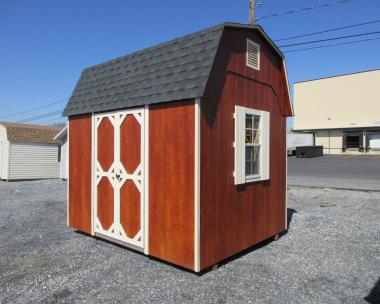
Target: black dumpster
(309,151)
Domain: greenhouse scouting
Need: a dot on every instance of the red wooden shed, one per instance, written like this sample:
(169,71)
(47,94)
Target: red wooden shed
(179,150)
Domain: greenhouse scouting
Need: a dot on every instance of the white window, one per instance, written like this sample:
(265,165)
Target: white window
(252,131)
(253,55)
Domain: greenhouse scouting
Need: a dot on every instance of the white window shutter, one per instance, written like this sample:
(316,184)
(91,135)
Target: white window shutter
(239,145)
(265,172)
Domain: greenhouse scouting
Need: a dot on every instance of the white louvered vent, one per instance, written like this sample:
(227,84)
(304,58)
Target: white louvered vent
(253,55)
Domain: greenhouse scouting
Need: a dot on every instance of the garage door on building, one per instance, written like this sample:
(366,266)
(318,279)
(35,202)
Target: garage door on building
(374,141)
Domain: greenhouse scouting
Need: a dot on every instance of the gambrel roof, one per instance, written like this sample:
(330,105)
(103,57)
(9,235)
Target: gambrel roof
(175,70)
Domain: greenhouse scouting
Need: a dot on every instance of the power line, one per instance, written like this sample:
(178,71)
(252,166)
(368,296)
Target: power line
(57,119)
(40,116)
(330,45)
(304,9)
(329,39)
(329,30)
(32,109)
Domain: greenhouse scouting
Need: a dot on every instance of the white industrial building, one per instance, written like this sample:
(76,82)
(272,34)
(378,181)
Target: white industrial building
(28,152)
(342,111)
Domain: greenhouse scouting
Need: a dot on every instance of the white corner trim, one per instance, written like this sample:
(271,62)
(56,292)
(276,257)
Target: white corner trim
(286,174)
(68,174)
(287,86)
(197,185)
(146,180)
(93,178)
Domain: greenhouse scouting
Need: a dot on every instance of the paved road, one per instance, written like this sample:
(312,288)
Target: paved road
(333,171)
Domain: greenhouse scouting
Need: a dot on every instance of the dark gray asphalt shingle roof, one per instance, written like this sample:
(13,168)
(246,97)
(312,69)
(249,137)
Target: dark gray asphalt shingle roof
(175,70)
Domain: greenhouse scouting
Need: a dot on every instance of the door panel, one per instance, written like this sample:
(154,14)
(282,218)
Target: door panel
(130,198)
(106,144)
(119,180)
(130,144)
(105,209)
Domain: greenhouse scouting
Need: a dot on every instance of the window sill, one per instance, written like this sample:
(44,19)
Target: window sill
(252,178)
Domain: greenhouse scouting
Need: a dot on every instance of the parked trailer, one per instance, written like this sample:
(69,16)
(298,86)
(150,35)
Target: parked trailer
(297,140)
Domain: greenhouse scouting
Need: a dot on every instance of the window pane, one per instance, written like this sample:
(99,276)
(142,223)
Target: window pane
(256,137)
(248,168)
(256,123)
(256,160)
(248,121)
(248,137)
(249,160)
(249,153)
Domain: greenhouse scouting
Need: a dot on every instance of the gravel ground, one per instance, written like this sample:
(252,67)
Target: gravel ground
(329,255)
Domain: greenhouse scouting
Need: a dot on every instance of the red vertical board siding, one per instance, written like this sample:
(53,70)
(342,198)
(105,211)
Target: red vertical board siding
(171,182)
(234,218)
(80,146)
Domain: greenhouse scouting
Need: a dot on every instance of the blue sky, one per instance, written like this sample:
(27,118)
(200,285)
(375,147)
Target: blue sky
(45,44)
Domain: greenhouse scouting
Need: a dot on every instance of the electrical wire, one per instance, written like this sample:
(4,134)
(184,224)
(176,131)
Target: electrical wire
(32,109)
(329,30)
(304,9)
(331,45)
(329,39)
(40,116)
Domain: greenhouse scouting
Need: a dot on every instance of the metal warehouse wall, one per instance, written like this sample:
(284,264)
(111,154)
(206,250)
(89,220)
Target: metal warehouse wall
(346,101)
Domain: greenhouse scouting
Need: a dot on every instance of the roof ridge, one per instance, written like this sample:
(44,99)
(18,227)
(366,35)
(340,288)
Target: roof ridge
(157,46)
(21,125)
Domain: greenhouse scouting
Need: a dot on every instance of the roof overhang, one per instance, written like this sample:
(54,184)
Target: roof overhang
(61,134)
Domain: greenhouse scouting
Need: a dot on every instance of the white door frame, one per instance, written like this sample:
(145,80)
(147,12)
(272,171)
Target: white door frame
(117,176)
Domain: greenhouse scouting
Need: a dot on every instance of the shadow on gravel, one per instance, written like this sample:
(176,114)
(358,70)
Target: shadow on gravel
(290,212)
(374,295)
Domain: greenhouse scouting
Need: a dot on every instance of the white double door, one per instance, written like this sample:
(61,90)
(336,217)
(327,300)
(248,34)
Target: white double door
(118,212)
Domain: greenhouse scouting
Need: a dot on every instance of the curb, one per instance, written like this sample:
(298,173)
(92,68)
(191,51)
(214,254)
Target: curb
(333,188)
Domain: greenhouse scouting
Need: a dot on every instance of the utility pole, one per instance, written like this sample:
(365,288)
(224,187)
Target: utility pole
(251,12)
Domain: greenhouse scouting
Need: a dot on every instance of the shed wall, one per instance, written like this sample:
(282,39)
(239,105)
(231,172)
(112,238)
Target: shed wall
(4,153)
(233,218)
(33,161)
(79,183)
(171,182)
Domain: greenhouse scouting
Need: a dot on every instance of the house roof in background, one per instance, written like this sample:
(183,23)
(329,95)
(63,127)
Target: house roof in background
(175,70)
(30,133)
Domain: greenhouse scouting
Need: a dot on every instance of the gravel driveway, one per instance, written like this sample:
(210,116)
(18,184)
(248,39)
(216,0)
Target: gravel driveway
(329,255)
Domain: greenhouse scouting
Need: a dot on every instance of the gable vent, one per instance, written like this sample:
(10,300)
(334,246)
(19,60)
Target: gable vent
(253,55)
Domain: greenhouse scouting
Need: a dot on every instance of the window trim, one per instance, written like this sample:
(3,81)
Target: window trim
(254,177)
(239,174)
(258,52)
